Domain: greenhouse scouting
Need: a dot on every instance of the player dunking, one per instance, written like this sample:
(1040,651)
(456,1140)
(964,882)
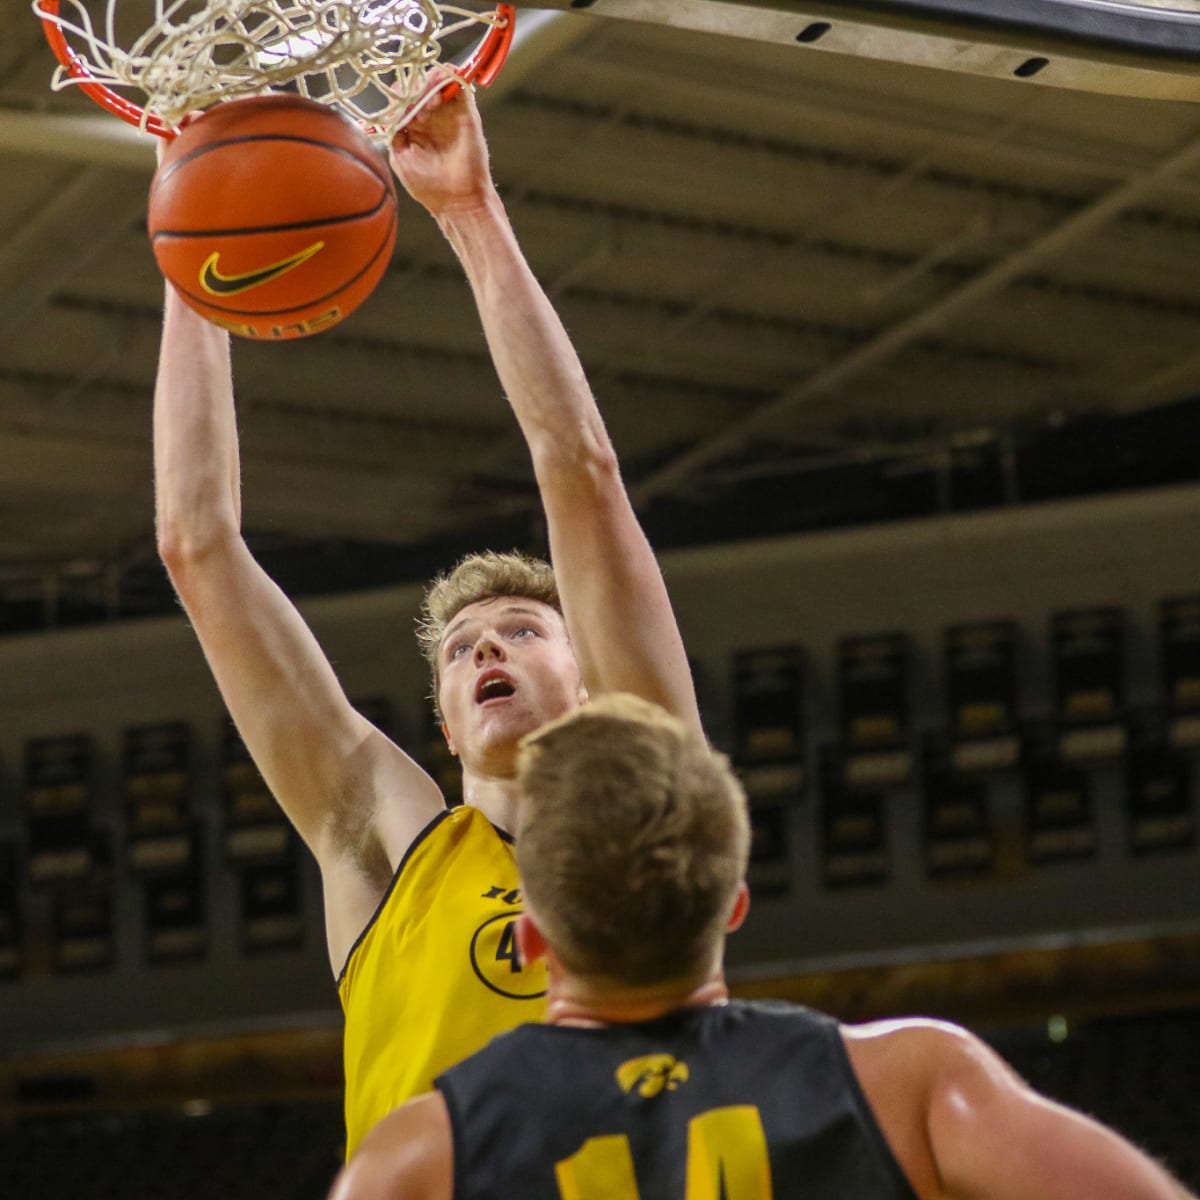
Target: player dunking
(649,1084)
(420,902)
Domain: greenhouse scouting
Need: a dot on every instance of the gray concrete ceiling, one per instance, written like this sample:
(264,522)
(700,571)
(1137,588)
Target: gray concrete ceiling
(772,256)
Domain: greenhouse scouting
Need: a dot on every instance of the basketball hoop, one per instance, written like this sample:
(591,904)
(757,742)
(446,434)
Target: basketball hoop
(377,60)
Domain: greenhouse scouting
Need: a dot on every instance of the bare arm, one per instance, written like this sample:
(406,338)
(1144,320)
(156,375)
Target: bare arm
(994,1137)
(614,599)
(408,1155)
(964,1126)
(328,767)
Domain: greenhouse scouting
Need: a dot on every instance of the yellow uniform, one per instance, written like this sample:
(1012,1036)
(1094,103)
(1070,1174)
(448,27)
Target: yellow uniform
(436,973)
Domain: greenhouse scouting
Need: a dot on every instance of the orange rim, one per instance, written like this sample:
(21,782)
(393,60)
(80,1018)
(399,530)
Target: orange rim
(488,57)
(480,68)
(493,50)
(76,68)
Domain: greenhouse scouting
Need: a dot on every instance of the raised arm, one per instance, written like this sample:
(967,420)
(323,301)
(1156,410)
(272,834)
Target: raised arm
(354,797)
(964,1126)
(614,599)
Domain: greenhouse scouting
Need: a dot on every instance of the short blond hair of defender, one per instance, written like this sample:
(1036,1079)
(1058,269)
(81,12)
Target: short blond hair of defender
(632,840)
(484,576)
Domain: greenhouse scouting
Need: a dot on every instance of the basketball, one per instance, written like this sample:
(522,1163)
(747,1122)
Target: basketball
(273,216)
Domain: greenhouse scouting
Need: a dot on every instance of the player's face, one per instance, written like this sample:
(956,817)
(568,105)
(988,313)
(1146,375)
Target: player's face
(505,667)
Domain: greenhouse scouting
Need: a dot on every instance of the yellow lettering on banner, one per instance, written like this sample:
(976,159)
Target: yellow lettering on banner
(601,1169)
(727,1156)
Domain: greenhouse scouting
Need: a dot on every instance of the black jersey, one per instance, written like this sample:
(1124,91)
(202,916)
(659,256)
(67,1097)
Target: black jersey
(738,1101)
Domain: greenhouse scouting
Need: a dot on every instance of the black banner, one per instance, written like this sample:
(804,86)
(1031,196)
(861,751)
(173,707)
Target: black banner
(12,957)
(768,705)
(176,914)
(157,785)
(256,830)
(772,790)
(960,842)
(854,835)
(1059,817)
(57,800)
(271,908)
(1088,648)
(83,933)
(1179,639)
(873,678)
(981,684)
(1159,806)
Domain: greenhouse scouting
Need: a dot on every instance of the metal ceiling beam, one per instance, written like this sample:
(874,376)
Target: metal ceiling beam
(935,317)
(1133,62)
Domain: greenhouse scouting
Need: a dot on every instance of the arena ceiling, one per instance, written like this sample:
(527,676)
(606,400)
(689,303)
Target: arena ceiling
(811,285)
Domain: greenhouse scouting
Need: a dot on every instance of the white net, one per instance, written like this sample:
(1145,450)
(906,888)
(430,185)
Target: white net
(372,58)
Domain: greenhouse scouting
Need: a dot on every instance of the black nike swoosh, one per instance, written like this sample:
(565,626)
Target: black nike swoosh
(216,284)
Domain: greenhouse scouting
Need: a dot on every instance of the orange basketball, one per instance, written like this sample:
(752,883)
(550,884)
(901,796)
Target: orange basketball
(274,216)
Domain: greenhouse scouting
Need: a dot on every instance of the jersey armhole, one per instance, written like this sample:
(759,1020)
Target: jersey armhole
(456,1125)
(391,887)
(866,1115)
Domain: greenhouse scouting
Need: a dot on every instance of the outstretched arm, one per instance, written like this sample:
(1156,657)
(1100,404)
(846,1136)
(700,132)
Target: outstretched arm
(964,1126)
(614,599)
(993,1136)
(328,767)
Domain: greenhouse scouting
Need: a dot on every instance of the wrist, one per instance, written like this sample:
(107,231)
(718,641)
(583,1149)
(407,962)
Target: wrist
(184,321)
(464,214)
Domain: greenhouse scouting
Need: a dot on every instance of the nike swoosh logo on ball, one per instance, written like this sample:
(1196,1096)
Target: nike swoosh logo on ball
(216,284)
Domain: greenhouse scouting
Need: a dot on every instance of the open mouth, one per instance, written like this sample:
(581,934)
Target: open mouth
(494,686)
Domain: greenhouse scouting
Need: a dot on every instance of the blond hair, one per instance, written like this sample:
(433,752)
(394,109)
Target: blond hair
(632,840)
(474,578)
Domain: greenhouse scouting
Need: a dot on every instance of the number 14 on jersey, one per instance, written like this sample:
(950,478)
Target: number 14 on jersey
(726,1160)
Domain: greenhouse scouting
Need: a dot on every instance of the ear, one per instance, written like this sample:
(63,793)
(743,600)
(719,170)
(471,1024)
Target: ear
(449,740)
(583,695)
(530,943)
(741,906)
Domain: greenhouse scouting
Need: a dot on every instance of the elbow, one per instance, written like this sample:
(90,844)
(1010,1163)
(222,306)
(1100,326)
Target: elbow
(171,548)
(182,551)
(589,464)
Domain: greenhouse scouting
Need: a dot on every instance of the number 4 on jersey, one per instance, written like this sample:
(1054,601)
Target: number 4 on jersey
(507,950)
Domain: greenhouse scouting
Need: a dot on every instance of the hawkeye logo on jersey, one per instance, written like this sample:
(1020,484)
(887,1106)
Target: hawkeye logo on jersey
(651,1074)
(494,954)
(216,284)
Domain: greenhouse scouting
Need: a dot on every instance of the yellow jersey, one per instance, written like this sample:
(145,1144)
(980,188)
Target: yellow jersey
(435,974)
